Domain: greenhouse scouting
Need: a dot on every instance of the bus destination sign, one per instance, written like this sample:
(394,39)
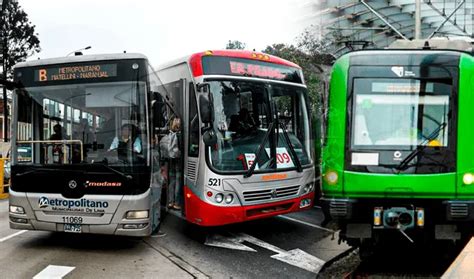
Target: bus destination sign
(75,72)
(246,69)
(220,65)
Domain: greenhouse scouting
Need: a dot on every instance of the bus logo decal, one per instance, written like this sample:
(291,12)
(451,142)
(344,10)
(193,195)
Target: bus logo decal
(72,184)
(274,193)
(43,202)
(398,71)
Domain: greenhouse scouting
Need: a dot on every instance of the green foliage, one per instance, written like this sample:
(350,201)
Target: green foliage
(311,69)
(235,45)
(18,34)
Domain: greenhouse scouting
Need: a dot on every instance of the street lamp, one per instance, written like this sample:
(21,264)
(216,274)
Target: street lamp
(78,52)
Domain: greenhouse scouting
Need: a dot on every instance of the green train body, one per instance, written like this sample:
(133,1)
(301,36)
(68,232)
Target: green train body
(398,148)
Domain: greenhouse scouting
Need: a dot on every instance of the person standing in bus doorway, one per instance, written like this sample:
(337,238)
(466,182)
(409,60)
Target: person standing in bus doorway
(174,168)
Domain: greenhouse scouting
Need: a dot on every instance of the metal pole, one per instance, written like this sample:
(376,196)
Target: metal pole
(5,59)
(383,19)
(418,19)
(446,20)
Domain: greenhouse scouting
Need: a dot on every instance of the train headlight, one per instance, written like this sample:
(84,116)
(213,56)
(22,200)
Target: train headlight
(229,198)
(17,209)
(468,179)
(331,177)
(139,214)
(219,198)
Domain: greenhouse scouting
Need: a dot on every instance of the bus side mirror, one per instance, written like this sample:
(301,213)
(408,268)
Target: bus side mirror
(206,108)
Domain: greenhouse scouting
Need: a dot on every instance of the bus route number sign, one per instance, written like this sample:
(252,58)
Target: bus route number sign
(283,158)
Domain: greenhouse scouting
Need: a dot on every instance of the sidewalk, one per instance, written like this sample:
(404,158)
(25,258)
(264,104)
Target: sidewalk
(463,266)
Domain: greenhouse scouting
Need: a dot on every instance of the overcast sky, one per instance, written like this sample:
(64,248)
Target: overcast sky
(160,29)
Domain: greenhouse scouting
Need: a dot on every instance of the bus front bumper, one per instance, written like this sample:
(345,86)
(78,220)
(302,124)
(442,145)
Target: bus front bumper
(205,214)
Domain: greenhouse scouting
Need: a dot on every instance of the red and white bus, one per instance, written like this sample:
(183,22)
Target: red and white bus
(246,137)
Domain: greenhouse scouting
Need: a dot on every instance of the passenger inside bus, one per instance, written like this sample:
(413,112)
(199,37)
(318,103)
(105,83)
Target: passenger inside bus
(58,132)
(242,124)
(128,135)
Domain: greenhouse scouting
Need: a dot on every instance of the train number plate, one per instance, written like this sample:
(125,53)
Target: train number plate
(74,228)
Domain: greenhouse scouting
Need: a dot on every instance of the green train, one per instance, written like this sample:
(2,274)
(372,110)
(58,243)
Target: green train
(398,144)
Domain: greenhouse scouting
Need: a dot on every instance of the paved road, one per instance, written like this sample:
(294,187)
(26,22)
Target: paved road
(185,252)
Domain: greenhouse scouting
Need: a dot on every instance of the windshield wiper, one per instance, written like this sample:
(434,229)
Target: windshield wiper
(36,170)
(259,151)
(126,176)
(421,147)
(299,168)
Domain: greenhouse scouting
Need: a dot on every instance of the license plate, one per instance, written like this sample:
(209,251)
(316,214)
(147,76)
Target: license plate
(74,228)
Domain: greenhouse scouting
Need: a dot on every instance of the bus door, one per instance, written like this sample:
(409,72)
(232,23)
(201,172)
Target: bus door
(173,162)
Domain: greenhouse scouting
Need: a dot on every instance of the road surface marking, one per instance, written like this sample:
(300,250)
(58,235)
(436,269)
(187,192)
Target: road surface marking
(177,261)
(295,257)
(305,223)
(234,243)
(54,271)
(12,235)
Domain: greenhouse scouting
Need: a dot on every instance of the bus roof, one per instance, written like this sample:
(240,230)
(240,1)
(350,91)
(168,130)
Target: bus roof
(80,58)
(195,59)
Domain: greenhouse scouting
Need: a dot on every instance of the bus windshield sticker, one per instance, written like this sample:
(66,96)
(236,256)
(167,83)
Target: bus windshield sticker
(283,158)
(365,159)
(250,159)
(61,73)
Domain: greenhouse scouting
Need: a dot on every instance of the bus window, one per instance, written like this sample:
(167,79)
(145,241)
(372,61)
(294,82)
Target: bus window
(193,148)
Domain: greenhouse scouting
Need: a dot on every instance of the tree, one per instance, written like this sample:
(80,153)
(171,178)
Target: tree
(19,42)
(311,69)
(18,34)
(235,45)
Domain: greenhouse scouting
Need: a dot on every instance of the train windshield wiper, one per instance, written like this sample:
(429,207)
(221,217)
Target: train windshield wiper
(259,151)
(421,147)
(299,168)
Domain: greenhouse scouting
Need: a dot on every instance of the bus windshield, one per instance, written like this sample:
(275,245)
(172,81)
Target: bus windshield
(244,111)
(83,123)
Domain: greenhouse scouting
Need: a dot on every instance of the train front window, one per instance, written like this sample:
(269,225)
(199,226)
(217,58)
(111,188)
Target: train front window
(243,119)
(83,123)
(402,113)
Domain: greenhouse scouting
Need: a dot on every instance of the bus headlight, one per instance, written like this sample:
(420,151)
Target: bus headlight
(229,198)
(308,188)
(468,179)
(331,177)
(139,214)
(219,198)
(17,209)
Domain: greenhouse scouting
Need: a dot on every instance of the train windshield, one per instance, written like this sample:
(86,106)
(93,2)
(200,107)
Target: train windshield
(83,123)
(266,116)
(401,113)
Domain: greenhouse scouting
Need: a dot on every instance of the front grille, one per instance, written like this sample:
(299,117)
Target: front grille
(459,210)
(261,195)
(338,208)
